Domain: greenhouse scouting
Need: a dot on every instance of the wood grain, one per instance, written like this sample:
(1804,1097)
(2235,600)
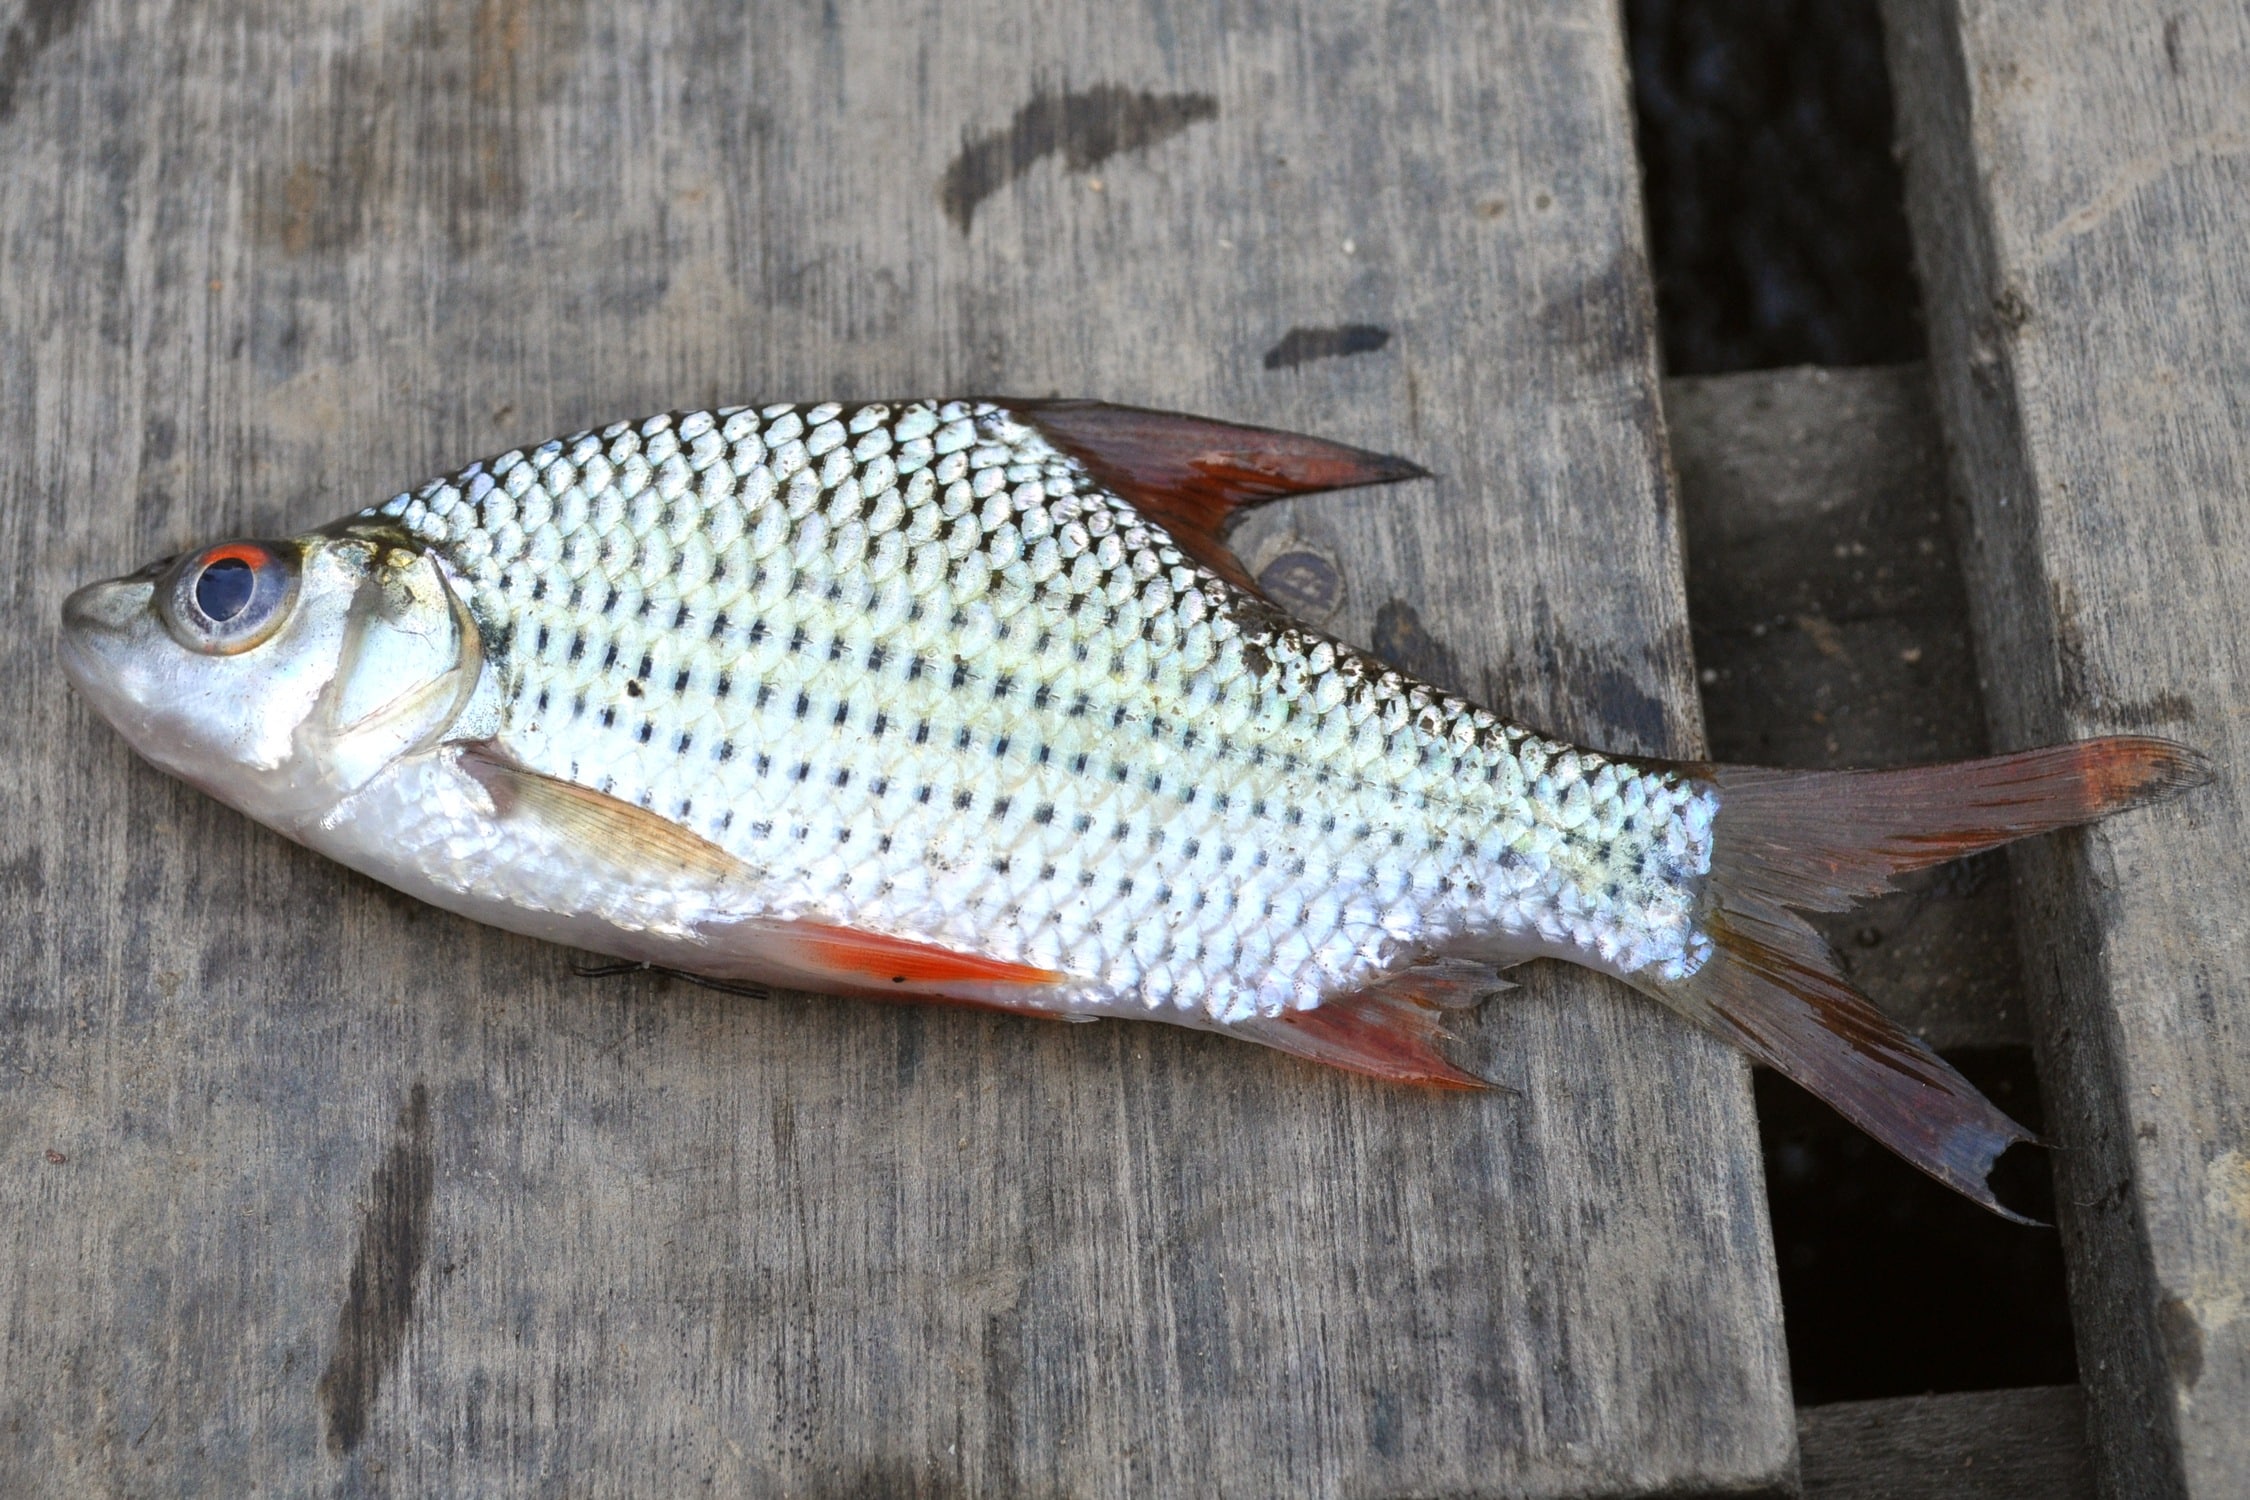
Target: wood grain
(348,1194)
(2024,1444)
(2079,187)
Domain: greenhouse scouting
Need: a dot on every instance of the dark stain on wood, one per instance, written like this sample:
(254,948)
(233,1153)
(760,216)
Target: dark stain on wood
(379,1299)
(43,22)
(1087,127)
(1301,344)
(884,1479)
(2183,1341)
(1304,581)
(1624,706)
(2152,712)
(1588,694)
(1406,643)
(2088,691)
(1383,1423)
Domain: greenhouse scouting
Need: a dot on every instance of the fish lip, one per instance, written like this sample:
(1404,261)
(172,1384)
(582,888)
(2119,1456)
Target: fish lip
(97,634)
(97,629)
(84,625)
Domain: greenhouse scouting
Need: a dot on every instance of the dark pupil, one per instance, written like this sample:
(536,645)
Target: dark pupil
(224,588)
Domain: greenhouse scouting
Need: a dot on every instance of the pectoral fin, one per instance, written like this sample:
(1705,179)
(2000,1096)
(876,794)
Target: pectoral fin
(597,826)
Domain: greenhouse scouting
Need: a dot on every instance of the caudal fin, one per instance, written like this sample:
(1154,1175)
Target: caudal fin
(1824,840)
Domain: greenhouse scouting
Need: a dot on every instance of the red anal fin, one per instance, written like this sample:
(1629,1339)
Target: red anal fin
(1192,475)
(1382,1032)
(847,961)
(894,961)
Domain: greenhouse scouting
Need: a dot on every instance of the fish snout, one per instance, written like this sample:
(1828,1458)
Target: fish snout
(99,623)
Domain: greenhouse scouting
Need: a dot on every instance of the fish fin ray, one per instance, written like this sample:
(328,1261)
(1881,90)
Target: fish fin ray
(1381,1031)
(1824,840)
(1193,476)
(1445,983)
(1790,841)
(602,826)
(829,959)
(1771,988)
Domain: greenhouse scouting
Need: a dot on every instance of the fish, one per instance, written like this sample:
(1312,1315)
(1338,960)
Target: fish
(969,701)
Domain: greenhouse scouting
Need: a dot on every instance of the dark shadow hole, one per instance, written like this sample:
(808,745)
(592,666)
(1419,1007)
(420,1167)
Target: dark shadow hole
(1892,1285)
(1776,216)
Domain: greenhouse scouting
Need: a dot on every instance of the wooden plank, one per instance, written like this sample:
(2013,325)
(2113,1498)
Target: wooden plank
(2079,186)
(345,1193)
(1831,629)
(2027,1444)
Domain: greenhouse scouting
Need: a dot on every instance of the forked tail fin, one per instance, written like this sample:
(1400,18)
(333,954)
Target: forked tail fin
(1824,840)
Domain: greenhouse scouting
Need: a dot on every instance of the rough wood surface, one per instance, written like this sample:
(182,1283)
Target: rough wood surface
(311,1188)
(2079,187)
(2026,1444)
(1831,630)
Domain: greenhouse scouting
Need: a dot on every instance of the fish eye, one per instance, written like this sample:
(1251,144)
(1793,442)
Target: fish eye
(231,597)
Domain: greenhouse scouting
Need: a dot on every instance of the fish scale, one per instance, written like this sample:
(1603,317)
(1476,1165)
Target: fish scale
(919,670)
(959,701)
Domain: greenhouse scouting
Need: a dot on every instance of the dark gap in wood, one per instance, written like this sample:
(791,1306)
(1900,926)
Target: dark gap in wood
(1776,217)
(1892,1285)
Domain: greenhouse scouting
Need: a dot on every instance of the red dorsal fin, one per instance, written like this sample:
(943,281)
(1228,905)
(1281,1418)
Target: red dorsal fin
(1388,1031)
(1192,475)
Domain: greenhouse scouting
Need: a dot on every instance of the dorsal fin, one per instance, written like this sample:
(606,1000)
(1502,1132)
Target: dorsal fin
(1193,476)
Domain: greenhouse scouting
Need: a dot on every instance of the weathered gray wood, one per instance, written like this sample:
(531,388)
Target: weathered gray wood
(347,1194)
(2079,187)
(1831,630)
(2027,1444)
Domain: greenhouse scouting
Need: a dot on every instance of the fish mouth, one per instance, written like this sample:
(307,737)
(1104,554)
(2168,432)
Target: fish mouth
(96,621)
(106,631)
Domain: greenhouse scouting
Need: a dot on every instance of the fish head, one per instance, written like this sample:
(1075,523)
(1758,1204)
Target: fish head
(279,676)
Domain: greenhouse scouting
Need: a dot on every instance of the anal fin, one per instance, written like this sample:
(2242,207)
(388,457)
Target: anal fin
(1390,1030)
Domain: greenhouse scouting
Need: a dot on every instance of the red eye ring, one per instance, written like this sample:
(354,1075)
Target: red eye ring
(231,597)
(256,554)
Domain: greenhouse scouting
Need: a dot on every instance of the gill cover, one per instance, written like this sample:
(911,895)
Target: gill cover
(410,661)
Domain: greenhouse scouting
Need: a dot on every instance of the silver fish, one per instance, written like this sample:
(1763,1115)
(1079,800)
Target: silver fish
(968,701)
